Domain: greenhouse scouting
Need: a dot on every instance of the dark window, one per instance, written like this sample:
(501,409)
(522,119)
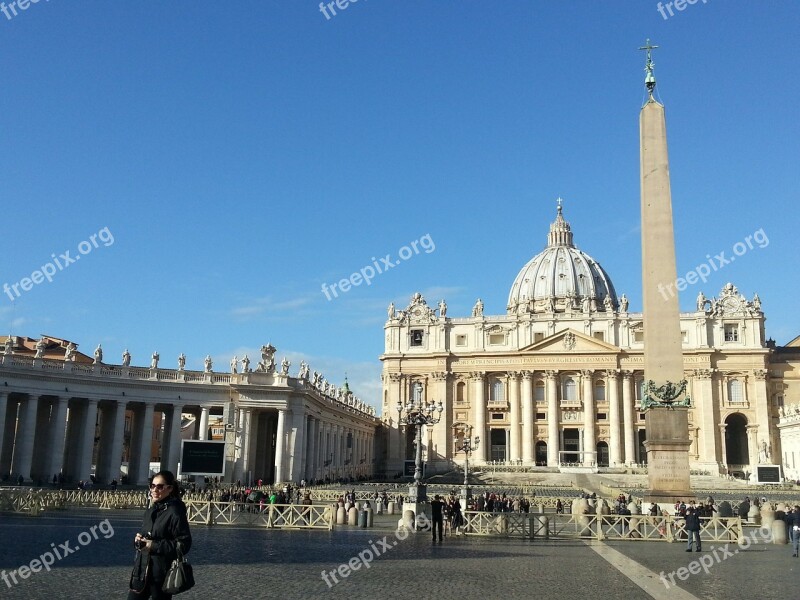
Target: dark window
(416,337)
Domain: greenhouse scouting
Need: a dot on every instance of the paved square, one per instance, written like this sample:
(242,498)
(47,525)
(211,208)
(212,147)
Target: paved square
(259,563)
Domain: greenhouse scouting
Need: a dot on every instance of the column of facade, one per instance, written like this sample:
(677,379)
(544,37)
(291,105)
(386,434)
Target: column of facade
(23,443)
(614,454)
(9,430)
(58,429)
(761,404)
(627,415)
(589,440)
(88,429)
(280,445)
(527,418)
(203,423)
(513,432)
(479,400)
(553,418)
(442,442)
(703,401)
(723,446)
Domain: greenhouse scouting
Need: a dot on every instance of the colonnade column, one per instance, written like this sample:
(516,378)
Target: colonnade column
(3,410)
(280,445)
(513,396)
(58,429)
(589,443)
(247,432)
(479,400)
(299,449)
(553,418)
(88,428)
(203,423)
(26,431)
(627,413)
(3,415)
(115,444)
(145,444)
(172,456)
(614,457)
(527,417)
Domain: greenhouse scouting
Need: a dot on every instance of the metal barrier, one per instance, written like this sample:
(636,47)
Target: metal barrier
(280,516)
(599,527)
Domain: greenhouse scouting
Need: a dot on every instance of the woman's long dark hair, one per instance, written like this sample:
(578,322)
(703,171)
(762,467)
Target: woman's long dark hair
(170,480)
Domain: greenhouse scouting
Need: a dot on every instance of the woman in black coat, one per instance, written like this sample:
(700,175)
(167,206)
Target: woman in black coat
(165,525)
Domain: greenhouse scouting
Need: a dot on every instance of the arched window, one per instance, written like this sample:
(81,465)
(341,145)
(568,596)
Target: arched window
(538,392)
(570,394)
(461,392)
(735,391)
(496,391)
(600,391)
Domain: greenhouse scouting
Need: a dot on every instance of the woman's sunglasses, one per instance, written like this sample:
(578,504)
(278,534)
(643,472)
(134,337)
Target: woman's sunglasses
(158,486)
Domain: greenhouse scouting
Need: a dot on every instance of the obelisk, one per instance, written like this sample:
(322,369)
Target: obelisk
(663,399)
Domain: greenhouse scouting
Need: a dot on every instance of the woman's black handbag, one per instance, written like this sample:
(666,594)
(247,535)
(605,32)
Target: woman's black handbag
(180,576)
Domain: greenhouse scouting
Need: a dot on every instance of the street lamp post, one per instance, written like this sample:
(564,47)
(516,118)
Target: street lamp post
(419,414)
(466,445)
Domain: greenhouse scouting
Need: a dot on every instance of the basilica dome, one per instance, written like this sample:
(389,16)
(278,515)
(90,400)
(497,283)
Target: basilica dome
(562,278)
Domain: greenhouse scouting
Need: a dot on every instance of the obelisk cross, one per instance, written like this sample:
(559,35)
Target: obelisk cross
(650,78)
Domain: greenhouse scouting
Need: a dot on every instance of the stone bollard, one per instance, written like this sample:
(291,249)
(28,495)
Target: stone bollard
(370,516)
(362,518)
(778,532)
(390,507)
(379,507)
(754,516)
(341,515)
(540,508)
(352,516)
(408,520)
(767,515)
(724,509)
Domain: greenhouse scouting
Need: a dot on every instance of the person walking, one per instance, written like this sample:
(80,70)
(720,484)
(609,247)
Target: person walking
(793,523)
(437,516)
(692,529)
(165,526)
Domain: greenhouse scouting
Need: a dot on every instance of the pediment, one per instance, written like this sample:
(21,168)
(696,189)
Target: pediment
(570,342)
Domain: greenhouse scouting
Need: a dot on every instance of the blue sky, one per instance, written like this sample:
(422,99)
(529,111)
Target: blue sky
(243,154)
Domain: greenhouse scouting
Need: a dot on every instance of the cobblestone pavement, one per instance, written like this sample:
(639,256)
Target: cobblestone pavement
(257,563)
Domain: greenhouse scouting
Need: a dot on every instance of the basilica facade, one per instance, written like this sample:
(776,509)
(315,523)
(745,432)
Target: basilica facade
(557,379)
